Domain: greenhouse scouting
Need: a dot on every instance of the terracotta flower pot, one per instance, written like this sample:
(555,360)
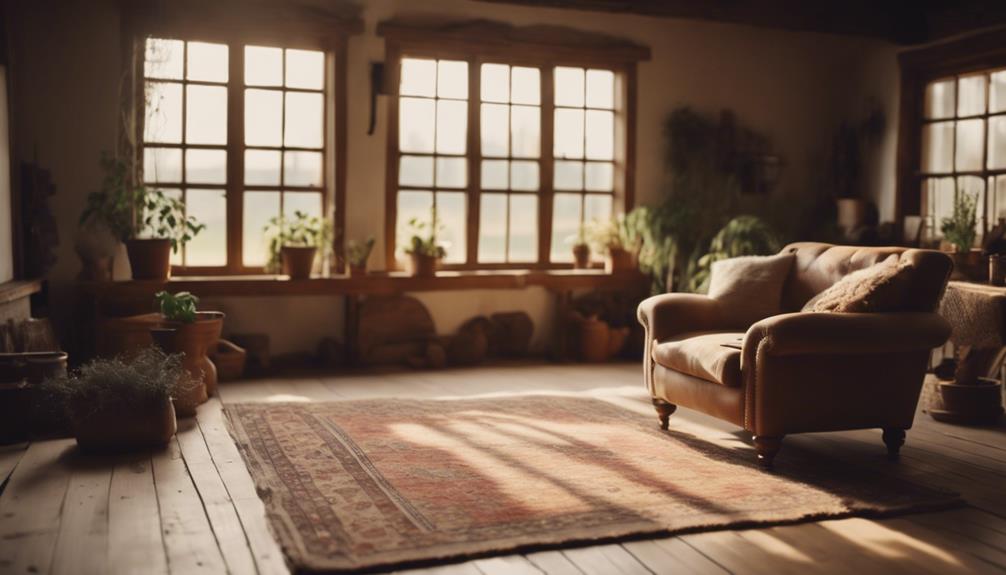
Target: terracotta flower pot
(424,266)
(594,340)
(116,427)
(581,256)
(977,403)
(194,340)
(298,262)
(149,259)
(619,260)
(357,271)
(969,266)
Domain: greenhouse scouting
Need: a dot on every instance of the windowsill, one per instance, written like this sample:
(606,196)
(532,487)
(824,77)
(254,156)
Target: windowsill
(18,289)
(380,283)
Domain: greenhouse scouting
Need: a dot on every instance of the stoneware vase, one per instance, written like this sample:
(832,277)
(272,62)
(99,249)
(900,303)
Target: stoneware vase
(149,259)
(581,256)
(423,266)
(298,262)
(193,340)
(117,428)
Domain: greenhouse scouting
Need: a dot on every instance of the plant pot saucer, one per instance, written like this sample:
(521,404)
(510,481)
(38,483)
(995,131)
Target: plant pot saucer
(990,418)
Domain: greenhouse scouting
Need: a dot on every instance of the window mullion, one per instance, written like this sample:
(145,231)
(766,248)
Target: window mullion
(545,201)
(235,159)
(474,148)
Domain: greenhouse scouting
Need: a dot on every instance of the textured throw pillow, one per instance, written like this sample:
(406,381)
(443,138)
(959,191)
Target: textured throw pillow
(881,287)
(750,287)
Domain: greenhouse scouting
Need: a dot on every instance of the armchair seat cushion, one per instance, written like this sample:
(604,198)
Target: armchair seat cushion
(703,355)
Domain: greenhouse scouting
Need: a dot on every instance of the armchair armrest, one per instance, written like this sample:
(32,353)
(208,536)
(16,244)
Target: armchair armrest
(667,315)
(852,333)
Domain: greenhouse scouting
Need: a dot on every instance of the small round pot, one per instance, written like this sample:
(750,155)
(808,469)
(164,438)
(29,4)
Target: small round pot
(969,266)
(595,336)
(977,403)
(357,271)
(149,259)
(424,266)
(194,340)
(298,262)
(581,256)
(619,260)
(117,428)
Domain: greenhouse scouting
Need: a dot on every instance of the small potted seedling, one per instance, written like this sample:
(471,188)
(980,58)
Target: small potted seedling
(294,243)
(581,248)
(423,248)
(118,405)
(192,333)
(959,230)
(357,254)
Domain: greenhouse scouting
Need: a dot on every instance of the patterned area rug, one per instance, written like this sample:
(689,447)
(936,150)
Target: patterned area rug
(385,483)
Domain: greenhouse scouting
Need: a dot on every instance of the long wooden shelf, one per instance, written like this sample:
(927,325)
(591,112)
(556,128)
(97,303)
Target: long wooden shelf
(15,290)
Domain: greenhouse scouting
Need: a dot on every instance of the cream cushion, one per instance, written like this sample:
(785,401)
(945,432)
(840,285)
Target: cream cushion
(750,287)
(704,355)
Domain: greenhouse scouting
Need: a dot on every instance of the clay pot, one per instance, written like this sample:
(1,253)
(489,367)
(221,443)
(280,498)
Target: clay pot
(969,266)
(229,359)
(594,336)
(194,340)
(619,260)
(977,403)
(116,428)
(423,266)
(298,262)
(581,256)
(149,259)
(357,271)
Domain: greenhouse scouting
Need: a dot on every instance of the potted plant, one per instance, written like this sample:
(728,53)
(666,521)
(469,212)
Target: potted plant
(581,249)
(121,405)
(193,334)
(612,238)
(294,243)
(151,223)
(959,230)
(423,249)
(970,398)
(357,254)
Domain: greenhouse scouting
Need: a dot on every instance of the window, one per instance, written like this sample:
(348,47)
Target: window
(239,133)
(514,156)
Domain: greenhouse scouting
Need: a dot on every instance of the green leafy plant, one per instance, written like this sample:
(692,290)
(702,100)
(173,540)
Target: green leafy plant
(129,210)
(301,230)
(423,239)
(357,253)
(959,228)
(177,307)
(742,236)
(148,378)
(620,232)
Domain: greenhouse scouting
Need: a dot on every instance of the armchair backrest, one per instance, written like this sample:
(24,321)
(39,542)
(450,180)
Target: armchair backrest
(820,265)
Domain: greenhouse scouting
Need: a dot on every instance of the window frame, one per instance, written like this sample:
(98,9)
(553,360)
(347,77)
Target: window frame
(438,47)
(334,99)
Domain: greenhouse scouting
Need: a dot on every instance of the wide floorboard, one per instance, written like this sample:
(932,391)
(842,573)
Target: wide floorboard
(193,508)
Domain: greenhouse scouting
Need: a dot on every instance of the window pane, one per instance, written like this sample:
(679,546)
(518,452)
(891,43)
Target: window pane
(600,89)
(176,256)
(162,165)
(206,115)
(523,228)
(495,130)
(997,92)
(600,177)
(492,228)
(940,99)
(302,169)
(600,135)
(452,79)
(494,175)
(411,205)
(970,145)
(525,131)
(259,208)
(452,127)
(937,147)
(263,118)
(416,121)
(495,83)
(997,142)
(209,247)
(305,69)
(306,202)
(262,168)
(939,201)
(263,66)
(163,121)
(164,59)
(568,176)
(524,176)
(419,77)
(415,171)
(568,133)
(452,172)
(597,208)
(206,166)
(998,193)
(565,225)
(971,95)
(207,62)
(525,86)
(568,86)
(304,121)
(452,215)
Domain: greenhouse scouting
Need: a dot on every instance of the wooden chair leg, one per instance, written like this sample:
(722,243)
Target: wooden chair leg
(664,411)
(766,448)
(893,439)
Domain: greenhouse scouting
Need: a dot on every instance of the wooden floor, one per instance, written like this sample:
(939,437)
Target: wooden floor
(193,508)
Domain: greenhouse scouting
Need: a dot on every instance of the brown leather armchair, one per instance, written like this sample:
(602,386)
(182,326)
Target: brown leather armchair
(799,371)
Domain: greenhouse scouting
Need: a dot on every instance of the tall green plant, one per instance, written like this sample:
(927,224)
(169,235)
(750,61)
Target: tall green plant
(960,228)
(301,230)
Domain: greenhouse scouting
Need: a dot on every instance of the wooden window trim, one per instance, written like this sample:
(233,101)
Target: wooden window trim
(540,47)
